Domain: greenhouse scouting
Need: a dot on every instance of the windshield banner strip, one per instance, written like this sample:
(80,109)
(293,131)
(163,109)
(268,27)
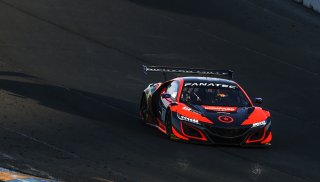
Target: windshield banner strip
(220,108)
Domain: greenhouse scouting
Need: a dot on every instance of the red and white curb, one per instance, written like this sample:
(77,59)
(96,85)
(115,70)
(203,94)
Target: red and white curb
(12,176)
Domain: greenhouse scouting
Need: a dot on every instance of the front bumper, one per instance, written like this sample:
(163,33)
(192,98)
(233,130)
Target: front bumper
(225,135)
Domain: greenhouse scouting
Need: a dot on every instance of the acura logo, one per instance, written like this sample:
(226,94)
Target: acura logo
(225,119)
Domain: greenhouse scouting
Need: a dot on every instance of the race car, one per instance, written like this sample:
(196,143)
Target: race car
(204,108)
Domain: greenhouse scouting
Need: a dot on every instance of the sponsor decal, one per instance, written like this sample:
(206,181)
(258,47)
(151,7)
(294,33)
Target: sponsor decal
(184,118)
(191,110)
(220,108)
(225,119)
(262,123)
(210,85)
(187,108)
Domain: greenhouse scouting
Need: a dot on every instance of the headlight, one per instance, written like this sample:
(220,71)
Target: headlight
(262,123)
(184,118)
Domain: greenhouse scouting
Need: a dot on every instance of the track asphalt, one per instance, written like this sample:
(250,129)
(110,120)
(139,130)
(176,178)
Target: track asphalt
(71,79)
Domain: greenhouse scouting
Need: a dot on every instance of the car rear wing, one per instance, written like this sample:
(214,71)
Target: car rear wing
(203,72)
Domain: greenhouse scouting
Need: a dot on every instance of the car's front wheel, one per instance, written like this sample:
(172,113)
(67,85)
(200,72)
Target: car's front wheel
(169,126)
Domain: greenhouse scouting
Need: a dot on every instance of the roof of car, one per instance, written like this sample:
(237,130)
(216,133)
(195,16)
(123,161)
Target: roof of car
(207,80)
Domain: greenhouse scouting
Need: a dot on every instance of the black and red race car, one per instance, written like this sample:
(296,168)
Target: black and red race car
(204,109)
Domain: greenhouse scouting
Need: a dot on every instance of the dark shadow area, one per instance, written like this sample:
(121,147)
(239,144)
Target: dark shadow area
(17,74)
(201,8)
(76,102)
(225,10)
(259,18)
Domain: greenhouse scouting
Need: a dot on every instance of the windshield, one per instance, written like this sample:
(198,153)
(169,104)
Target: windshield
(212,96)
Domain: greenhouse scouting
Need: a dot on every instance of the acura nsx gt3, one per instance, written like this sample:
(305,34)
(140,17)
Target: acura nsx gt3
(205,109)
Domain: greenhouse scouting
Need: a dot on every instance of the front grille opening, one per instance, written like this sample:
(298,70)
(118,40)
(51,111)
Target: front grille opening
(190,131)
(229,141)
(228,132)
(257,135)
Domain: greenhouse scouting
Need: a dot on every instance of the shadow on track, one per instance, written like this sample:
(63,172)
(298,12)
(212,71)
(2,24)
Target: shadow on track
(17,74)
(72,101)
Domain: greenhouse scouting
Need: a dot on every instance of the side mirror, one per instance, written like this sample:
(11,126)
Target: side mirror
(258,100)
(165,96)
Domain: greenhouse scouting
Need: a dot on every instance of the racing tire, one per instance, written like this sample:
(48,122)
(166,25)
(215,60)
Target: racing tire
(169,126)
